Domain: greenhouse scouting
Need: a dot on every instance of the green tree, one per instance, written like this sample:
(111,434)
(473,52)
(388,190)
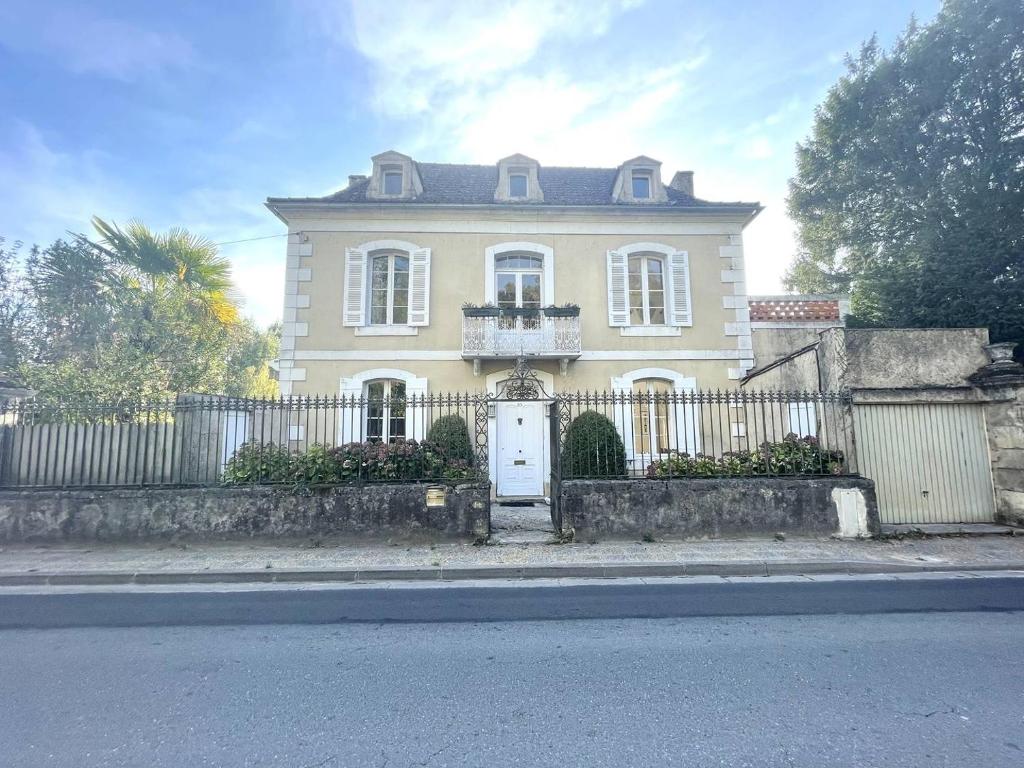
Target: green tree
(248,359)
(16,316)
(909,191)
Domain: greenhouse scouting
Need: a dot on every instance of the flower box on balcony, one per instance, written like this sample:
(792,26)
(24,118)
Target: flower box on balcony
(520,312)
(480,311)
(569,311)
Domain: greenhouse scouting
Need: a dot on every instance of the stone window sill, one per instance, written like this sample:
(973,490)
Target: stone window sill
(387,330)
(649,330)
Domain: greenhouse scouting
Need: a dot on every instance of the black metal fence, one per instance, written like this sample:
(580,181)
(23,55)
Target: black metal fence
(661,434)
(211,440)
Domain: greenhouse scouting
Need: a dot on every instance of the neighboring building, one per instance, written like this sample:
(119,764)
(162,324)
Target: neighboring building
(378,274)
(781,325)
(936,415)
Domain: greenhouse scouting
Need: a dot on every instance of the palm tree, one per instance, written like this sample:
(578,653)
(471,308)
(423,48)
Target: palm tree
(162,264)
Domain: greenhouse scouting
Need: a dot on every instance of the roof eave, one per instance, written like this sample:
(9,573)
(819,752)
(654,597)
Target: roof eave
(278,205)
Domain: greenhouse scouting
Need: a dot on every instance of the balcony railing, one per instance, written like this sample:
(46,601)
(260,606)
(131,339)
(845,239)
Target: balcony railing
(512,335)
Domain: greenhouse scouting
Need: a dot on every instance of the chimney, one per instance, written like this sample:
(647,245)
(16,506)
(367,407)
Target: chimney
(355,179)
(683,182)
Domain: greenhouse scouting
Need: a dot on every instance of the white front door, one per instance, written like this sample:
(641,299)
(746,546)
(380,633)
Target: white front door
(520,455)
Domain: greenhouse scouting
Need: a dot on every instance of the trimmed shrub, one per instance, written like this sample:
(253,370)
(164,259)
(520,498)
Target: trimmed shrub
(793,456)
(593,448)
(451,435)
(258,463)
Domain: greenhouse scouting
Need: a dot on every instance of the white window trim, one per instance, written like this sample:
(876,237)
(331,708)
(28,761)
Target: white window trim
(624,421)
(367,249)
(389,305)
(518,173)
(645,288)
(415,386)
(389,170)
(650,330)
(645,173)
(387,330)
(548,269)
(667,251)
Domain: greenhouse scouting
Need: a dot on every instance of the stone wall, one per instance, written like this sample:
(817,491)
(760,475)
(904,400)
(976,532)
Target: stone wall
(712,507)
(1004,418)
(371,511)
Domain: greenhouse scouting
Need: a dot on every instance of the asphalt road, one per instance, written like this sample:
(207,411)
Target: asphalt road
(514,601)
(838,689)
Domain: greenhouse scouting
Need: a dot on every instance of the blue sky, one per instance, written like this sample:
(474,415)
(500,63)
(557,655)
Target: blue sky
(192,113)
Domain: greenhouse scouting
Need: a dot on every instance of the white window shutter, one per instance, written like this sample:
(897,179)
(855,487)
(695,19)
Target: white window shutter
(419,287)
(679,266)
(618,289)
(354,300)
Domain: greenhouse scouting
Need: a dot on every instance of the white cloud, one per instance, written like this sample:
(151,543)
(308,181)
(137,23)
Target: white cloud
(477,81)
(88,44)
(44,191)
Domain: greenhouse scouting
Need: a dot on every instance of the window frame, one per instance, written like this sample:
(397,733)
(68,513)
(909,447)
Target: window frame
(645,296)
(389,306)
(387,418)
(391,172)
(654,416)
(517,174)
(645,175)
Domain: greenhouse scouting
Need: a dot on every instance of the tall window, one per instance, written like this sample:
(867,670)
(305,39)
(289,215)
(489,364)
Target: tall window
(389,289)
(517,185)
(650,417)
(641,185)
(646,289)
(392,182)
(517,280)
(385,410)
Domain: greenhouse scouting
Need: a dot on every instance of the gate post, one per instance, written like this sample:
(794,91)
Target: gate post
(480,447)
(555,453)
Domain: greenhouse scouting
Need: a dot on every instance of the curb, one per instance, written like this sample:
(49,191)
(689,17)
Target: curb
(583,570)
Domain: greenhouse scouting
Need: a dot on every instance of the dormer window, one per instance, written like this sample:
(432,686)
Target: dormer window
(518,180)
(641,185)
(393,181)
(639,181)
(395,177)
(518,184)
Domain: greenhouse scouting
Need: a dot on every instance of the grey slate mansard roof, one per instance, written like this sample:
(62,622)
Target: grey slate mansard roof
(446,184)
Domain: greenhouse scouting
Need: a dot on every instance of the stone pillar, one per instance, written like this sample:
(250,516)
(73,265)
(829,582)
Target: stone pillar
(1002,384)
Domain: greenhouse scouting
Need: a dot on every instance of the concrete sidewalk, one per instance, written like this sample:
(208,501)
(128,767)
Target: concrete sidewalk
(329,560)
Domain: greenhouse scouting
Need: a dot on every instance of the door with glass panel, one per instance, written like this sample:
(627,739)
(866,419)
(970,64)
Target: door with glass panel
(517,286)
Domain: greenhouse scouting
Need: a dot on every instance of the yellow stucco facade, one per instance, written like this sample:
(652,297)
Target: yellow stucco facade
(320,350)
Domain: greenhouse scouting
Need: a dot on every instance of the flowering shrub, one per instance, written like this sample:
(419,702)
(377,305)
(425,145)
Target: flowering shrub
(257,463)
(400,461)
(793,456)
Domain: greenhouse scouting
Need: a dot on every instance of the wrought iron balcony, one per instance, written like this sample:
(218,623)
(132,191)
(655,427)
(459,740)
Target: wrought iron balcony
(520,333)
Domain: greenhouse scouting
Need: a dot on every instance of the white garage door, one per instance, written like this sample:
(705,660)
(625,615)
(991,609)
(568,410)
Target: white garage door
(930,462)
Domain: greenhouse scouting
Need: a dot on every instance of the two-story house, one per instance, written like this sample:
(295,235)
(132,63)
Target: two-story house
(378,275)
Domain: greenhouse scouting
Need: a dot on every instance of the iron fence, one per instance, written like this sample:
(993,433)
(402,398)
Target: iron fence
(210,440)
(661,434)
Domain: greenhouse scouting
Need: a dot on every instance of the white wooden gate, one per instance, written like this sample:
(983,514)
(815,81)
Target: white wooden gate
(930,462)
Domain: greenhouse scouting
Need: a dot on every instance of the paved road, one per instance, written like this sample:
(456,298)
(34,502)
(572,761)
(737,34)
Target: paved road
(895,689)
(514,601)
